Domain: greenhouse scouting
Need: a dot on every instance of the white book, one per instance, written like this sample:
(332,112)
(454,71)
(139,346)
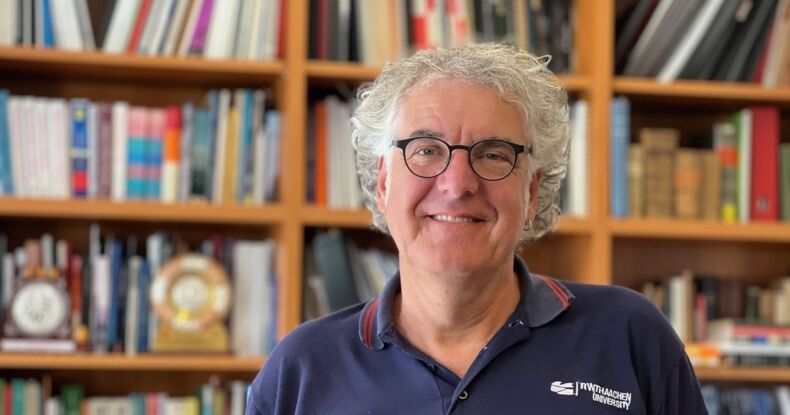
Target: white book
(84,21)
(266,13)
(261,263)
(578,166)
(27,22)
(241,44)
(38,155)
(364,22)
(238,392)
(239,336)
(189,28)
(38,23)
(220,141)
(744,164)
(54,148)
(165,18)
(120,143)
(101,289)
(93,150)
(219,43)
(33,345)
(52,406)
(688,44)
(680,304)
(60,144)
(132,313)
(641,46)
(120,28)
(8,22)
(66,25)
(15,130)
(267,48)
(151,25)
(176,27)
(255,28)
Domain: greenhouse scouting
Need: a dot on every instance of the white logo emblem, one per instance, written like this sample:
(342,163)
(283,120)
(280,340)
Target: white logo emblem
(598,393)
(564,388)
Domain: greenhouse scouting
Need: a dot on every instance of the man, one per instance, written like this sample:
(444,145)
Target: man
(460,154)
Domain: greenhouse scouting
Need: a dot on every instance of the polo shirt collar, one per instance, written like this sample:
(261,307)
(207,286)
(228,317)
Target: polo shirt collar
(542,300)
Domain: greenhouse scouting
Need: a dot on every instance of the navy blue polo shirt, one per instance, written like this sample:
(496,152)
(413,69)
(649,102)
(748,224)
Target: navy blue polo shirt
(567,349)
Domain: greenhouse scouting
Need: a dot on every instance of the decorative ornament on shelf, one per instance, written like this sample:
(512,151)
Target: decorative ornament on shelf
(191,296)
(37,318)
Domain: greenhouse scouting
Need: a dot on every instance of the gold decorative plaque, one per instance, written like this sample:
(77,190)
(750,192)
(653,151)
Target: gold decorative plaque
(191,296)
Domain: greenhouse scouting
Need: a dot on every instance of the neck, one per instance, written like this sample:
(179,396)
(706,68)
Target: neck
(455,315)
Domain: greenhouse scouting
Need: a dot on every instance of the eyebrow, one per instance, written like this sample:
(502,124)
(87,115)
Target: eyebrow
(424,132)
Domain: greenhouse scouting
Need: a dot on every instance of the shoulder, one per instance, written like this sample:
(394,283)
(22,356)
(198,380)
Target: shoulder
(308,354)
(615,302)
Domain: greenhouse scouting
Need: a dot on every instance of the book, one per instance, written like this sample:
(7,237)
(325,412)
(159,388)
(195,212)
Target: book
(172,154)
(764,198)
(744,40)
(578,197)
(120,27)
(618,168)
(725,144)
(688,183)
(784,156)
(703,60)
(79,147)
(691,39)
(659,145)
(742,120)
(333,264)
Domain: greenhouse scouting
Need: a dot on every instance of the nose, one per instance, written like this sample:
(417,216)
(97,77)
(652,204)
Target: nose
(459,178)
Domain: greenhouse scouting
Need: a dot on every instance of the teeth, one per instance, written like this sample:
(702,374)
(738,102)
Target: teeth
(452,219)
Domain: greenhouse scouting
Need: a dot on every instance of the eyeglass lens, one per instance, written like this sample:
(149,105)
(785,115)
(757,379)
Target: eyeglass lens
(490,159)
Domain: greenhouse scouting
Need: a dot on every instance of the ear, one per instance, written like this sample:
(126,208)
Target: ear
(534,192)
(381,185)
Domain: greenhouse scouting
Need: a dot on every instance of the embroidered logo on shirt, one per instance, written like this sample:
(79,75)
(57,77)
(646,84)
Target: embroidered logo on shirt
(600,394)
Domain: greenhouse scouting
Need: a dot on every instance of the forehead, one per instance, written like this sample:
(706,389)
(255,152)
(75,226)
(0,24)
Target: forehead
(460,109)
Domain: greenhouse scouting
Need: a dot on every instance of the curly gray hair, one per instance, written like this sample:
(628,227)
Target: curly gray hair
(519,77)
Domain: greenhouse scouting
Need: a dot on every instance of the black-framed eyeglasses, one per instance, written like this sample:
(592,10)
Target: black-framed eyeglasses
(490,159)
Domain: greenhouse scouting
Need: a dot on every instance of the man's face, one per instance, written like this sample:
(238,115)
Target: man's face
(455,222)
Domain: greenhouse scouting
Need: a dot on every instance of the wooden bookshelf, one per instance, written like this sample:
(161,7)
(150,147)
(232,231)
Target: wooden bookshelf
(743,374)
(591,249)
(700,230)
(142,363)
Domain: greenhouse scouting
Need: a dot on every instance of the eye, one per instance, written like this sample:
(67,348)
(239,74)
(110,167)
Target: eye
(426,151)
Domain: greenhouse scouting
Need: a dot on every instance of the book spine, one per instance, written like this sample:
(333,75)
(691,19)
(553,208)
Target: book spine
(172,153)
(135,178)
(79,148)
(153,173)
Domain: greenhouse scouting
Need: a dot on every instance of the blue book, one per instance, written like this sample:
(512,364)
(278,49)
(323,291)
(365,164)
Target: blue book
(6,172)
(116,306)
(48,28)
(272,165)
(200,155)
(244,161)
(79,147)
(618,147)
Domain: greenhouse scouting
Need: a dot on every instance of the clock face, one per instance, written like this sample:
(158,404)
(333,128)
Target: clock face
(39,309)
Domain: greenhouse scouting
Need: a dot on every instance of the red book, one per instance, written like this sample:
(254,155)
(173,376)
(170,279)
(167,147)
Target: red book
(323,37)
(419,19)
(139,24)
(764,197)
(281,30)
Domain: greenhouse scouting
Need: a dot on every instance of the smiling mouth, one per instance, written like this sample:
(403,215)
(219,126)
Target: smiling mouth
(454,219)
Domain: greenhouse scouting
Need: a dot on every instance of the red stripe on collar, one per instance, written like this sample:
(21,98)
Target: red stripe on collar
(367,325)
(558,291)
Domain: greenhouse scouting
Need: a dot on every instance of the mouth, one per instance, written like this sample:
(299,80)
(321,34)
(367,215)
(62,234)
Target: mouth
(455,219)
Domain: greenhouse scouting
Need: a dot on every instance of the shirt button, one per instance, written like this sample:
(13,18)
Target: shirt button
(516,323)
(463,396)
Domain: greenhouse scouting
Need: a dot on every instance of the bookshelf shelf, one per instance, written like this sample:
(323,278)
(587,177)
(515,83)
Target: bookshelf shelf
(702,90)
(700,230)
(134,68)
(141,211)
(327,217)
(142,363)
(333,72)
(743,374)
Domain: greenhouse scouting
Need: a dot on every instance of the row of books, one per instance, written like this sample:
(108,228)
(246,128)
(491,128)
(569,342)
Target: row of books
(738,173)
(381,31)
(227,152)
(691,302)
(240,29)
(726,40)
(29,396)
(109,290)
(339,274)
(331,165)
(721,400)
